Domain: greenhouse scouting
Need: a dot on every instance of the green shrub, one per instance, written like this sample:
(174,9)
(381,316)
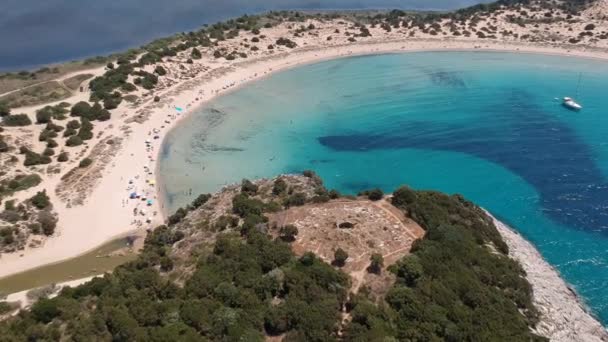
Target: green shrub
(195,54)
(248,187)
(48,152)
(340,257)
(288,233)
(85,162)
(128,87)
(51,143)
(295,200)
(376,263)
(33,158)
(5,110)
(81,108)
(373,195)
(17,120)
(63,157)
(47,222)
(73,124)
(73,140)
(279,186)
(43,117)
(40,200)
(160,70)
(3,146)
(403,196)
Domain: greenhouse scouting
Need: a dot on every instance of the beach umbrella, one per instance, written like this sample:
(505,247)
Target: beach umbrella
(152,182)
(150,202)
(133,195)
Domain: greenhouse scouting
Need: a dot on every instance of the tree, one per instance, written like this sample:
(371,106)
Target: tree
(376,263)
(279,187)
(40,200)
(340,257)
(47,222)
(288,233)
(200,200)
(375,194)
(403,196)
(45,310)
(248,187)
(5,110)
(408,270)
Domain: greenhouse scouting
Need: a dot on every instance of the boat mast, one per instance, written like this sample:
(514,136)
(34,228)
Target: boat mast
(578,85)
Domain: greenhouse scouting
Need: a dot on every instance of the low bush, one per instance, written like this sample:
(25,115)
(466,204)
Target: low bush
(16,120)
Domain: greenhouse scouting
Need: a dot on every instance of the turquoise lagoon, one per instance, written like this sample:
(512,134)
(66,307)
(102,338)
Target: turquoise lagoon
(483,124)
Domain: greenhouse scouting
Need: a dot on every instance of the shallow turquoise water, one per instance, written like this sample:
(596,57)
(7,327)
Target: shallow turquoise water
(482,124)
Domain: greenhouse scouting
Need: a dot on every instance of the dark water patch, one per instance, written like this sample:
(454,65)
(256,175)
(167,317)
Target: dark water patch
(218,148)
(447,79)
(321,161)
(354,187)
(442,78)
(522,138)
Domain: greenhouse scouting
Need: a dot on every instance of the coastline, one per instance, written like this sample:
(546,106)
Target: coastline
(563,315)
(191,94)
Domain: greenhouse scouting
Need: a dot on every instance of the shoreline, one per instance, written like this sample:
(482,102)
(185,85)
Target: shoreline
(539,49)
(563,314)
(198,93)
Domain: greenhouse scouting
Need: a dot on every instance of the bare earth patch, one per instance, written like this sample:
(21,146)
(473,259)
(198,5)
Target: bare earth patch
(360,227)
(75,184)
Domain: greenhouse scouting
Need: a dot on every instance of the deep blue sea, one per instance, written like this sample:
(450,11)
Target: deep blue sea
(34,32)
(486,125)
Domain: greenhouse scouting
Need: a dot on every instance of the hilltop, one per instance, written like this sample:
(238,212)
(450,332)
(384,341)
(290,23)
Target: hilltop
(286,259)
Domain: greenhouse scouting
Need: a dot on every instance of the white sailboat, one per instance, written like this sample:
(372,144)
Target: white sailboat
(569,102)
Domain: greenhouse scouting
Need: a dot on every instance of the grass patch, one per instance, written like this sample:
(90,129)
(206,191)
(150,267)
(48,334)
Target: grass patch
(74,82)
(37,94)
(10,81)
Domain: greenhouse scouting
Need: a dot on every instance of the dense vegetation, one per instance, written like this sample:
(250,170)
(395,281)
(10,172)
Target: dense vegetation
(457,285)
(239,290)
